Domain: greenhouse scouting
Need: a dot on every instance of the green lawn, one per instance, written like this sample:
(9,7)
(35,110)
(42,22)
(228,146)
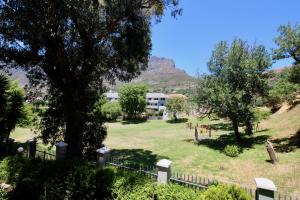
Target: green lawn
(147,142)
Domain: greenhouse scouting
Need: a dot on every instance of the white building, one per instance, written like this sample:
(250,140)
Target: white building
(156,101)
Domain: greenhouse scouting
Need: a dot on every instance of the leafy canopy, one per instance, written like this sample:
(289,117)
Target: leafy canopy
(133,99)
(73,47)
(236,79)
(176,105)
(288,43)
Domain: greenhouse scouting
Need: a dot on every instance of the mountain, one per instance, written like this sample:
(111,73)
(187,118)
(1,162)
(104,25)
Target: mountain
(162,75)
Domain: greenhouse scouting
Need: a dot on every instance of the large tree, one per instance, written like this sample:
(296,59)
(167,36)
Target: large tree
(72,47)
(133,100)
(236,78)
(288,43)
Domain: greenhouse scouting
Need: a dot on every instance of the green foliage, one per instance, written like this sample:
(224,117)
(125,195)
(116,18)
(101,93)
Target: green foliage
(132,98)
(72,48)
(29,116)
(3,195)
(11,105)
(111,110)
(261,114)
(282,90)
(223,192)
(237,78)
(175,105)
(288,43)
(232,150)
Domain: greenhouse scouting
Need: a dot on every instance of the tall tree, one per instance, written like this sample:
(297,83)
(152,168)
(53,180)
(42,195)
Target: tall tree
(236,78)
(11,105)
(133,99)
(72,47)
(288,43)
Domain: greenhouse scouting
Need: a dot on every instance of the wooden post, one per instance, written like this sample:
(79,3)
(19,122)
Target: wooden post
(271,152)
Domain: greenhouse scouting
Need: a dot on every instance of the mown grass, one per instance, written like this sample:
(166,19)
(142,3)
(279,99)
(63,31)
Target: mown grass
(147,142)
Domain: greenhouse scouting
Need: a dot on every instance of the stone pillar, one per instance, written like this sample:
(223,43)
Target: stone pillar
(31,146)
(103,155)
(61,150)
(265,189)
(164,171)
(20,151)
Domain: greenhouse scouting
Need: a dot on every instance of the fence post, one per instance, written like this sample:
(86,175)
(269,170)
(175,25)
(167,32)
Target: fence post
(31,146)
(61,150)
(164,171)
(102,155)
(265,189)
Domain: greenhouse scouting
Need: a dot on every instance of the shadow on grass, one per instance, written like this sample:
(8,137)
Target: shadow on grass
(287,144)
(136,156)
(229,139)
(222,126)
(181,120)
(138,121)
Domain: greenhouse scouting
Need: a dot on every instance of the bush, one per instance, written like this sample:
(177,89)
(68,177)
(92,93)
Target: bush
(29,116)
(111,110)
(223,192)
(3,195)
(232,150)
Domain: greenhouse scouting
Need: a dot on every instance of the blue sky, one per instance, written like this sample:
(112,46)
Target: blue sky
(190,39)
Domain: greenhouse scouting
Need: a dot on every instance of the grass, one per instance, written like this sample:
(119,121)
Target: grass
(147,142)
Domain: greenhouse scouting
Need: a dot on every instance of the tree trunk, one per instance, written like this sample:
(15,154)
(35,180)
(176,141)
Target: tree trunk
(235,125)
(249,127)
(73,135)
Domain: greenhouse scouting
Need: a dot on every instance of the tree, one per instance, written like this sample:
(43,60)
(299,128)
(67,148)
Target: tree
(11,105)
(281,90)
(72,47)
(176,105)
(237,78)
(133,99)
(288,43)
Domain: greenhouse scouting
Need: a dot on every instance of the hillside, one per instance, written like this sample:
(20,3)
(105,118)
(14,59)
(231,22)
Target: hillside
(161,75)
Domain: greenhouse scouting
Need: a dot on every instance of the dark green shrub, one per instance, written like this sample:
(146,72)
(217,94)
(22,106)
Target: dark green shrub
(225,192)
(3,195)
(232,150)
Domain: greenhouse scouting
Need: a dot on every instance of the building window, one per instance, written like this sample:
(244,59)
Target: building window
(163,99)
(155,98)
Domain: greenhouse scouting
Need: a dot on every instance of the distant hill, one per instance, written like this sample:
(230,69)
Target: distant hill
(161,75)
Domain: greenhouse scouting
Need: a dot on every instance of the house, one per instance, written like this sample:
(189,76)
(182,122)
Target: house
(156,101)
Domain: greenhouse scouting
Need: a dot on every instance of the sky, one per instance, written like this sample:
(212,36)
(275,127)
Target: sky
(190,39)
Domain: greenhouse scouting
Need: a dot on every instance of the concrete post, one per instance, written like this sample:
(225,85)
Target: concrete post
(61,150)
(265,189)
(20,151)
(164,171)
(103,155)
(31,146)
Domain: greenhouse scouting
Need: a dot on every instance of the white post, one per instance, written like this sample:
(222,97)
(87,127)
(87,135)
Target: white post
(164,171)
(102,155)
(61,150)
(265,189)
(31,145)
